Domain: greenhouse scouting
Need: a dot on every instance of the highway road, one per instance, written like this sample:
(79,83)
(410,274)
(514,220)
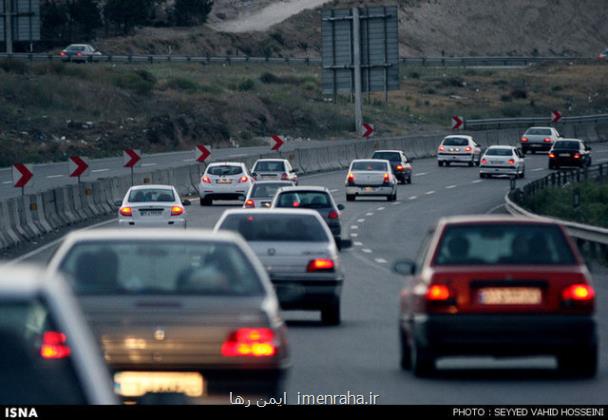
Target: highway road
(361,355)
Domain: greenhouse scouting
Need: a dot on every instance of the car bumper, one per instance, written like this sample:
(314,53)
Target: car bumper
(567,162)
(489,170)
(544,147)
(449,157)
(502,335)
(375,190)
(297,291)
(226,192)
(134,224)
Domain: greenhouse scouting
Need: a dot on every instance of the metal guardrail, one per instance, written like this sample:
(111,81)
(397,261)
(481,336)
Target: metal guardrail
(587,233)
(236,59)
(487,123)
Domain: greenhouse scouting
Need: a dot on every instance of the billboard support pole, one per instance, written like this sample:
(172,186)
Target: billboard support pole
(357,70)
(8,25)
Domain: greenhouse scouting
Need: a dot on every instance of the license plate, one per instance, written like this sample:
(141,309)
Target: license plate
(369,189)
(564,154)
(149,213)
(136,384)
(510,296)
(224,181)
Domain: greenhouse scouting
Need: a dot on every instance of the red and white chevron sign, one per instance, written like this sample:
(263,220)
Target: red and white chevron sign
(22,174)
(457,122)
(201,153)
(278,143)
(556,116)
(368,130)
(78,166)
(131,157)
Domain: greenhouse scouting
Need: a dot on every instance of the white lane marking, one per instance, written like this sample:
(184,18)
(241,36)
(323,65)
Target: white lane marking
(143,165)
(369,214)
(413,197)
(396,203)
(360,220)
(493,209)
(354,227)
(429,192)
(189,160)
(369,263)
(357,243)
(421,174)
(236,156)
(380,260)
(449,187)
(100,170)
(537,169)
(54,176)
(7,182)
(51,244)
(354,235)
(367,250)
(334,190)
(477,181)
(380,208)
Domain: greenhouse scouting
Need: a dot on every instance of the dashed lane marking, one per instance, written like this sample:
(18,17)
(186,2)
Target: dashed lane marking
(367,250)
(413,197)
(100,170)
(354,235)
(380,260)
(360,220)
(449,187)
(421,174)
(429,192)
(477,181)
(143,165)
(380,208)
(354,227)
(369,214)
(357,243)
(54,176)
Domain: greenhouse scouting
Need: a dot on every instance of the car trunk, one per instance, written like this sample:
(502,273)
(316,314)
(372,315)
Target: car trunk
(151,211)
(289,257)
(500,161)
(369,178)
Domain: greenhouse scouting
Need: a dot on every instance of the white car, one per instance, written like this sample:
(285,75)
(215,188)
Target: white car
(502,160)
(48,354)
(274,170)
(224,181)
(371,178)
(458,149)
(538,139)
(262,193)
(146,206)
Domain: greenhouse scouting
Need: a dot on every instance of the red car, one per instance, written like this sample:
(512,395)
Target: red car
(499,286)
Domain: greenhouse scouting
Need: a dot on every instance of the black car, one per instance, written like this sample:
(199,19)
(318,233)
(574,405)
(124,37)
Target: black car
(569,152)
(402,169)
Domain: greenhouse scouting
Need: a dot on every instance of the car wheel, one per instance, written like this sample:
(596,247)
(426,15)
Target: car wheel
(482,175)
(551,166)
(330,315)
(409,179)
(533,151)
(392,197)
(439,163)
(581,363)
(423,361)
(446,163)
(405,357)
(350,197)
(522,175)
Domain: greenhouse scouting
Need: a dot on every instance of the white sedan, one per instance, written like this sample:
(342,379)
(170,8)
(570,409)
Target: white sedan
(152,206)
(458,149)
(224,181)
(371,178)
(274,170)
(502,160)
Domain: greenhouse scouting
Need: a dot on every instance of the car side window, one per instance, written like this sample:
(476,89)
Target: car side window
(423,251)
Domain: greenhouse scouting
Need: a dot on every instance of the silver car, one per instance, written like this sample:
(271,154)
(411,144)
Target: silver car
(224,181)
(458,149)
(79,53)
(299,254)
(48,355)
(152,206)
(538,139)
(371,178)
(274,169)
(502,160)
(262,193)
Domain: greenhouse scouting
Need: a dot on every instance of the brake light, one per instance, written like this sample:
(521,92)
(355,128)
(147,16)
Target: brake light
(250,342)
(551,155)
(295,204)
(320,264)
(78,53)
(62,53)
(333,215)
(438,293)
(250,204)
(511,162)
(206,180)
(399,168)
(284,177)
(548,139)
(243,179)
(177,211)
(442,148)
(577,156)
(54,345)
(524,139)
(484,161)
(350,178)
(578,293)
(468,149)
(126,211)
(386,178)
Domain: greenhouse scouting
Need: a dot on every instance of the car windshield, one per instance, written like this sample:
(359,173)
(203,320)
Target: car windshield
(507,243)
(29,375)
(267,190)
(567,145)
(276,227)
(158,195)
(499,152)
(225,170)
(392,156)
(369,165)
(539,132)
(456,141)
(269,166)
(138,267)
(304,199)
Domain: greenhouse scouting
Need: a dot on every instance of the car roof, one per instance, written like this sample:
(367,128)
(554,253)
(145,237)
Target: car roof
(544,128)
(194,235)
(391,151)
(492,218)
(451,136)
(286,183)
(288,212)
(566,139)
(271,160)
(501,146)
(22,281)
(305,188)
(370,159)
(148,186)
(225,164)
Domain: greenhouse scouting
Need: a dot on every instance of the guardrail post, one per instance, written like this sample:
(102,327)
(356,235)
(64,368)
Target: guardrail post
(553,179)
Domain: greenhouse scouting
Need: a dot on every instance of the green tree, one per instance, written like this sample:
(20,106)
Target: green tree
(53,18)
(191,12)
(86,15)
(126,14)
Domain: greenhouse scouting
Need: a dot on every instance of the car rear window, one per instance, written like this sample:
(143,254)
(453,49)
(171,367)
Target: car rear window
(157,195)
(225,170)
(567,145)
(27,376)
(456,141)
(75,48)
(304,199)
(141,267)
(276,227)
(267,190)
(539,132)
(511,244)
(499,152)
(269,166)
(369,166)
(392,156)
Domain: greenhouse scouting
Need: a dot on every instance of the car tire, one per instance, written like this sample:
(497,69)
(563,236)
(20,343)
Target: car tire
(330,315)
(423,361)
(405,356)
(482,175)
(581,363)
(409,179)
(350,197)
(439,163)
(446,163)
(551,166)
(522,175)
(392,197)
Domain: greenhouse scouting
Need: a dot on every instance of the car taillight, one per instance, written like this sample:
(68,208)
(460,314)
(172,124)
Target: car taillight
(126,211)
(177,211)
(523,140)
(62,53)
(333,215)
(442,148)
(511,162)
(295,204)
(484,161)
(250,342)
(577,156)
(78,53)
(468,149)
(54,345)
(438,293)
(350,178)
(551,155)
(284,177)
(399,168)
(250,204)
(206,180)
(548,139)
(320,264)
(386,178)
(578,293)
(243,179)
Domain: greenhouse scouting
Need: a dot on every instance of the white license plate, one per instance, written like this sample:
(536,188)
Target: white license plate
(136,384)
(564,154)
(369,189)
(224,181)
(150,213)
(510,296)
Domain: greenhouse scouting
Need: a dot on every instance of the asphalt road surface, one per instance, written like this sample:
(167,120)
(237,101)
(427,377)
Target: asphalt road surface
(361,355)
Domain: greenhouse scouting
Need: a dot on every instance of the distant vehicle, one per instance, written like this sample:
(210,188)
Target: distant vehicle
(402,168)
(569,152)
(274,170)
(603,55)
(458,149)
(78,52)
(315,198)
(502,160)
(48,355)
(261,193)
(188,312)
(224,181)
(538,139)
(152,206)
(498,286)
(371,178)
(299,253)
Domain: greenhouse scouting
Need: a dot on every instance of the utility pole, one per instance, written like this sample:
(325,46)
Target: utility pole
(357,70)
(8,25)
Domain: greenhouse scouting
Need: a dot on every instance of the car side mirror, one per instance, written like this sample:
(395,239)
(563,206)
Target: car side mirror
(294,171)
(405,267)
(118,203)
(341,207)
(346,243)
(186,202)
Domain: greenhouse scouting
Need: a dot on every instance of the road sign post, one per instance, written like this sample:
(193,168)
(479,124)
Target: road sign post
(22,175)
(357,68)
(131,158)
(78,166)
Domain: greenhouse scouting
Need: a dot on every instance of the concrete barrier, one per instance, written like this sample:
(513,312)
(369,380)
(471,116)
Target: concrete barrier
(56,218)
(38,211)
(10,236)
(65,205)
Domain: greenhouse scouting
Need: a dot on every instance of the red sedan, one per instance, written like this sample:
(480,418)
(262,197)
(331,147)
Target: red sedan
(498,286)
